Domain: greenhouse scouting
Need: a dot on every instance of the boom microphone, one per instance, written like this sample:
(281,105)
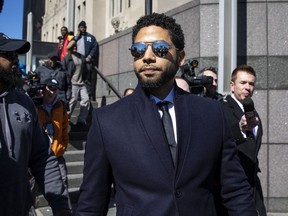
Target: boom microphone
(249,109)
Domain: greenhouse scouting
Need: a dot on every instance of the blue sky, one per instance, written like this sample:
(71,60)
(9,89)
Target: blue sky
(11,18)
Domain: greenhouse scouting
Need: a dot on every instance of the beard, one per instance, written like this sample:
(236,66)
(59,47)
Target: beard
(155,82)
(7,77)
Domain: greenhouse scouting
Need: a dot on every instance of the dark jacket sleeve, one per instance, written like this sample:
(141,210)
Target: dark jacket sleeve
(94,48)
(95,189)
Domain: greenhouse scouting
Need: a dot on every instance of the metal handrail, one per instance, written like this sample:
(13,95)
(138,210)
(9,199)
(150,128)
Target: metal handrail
(108,82)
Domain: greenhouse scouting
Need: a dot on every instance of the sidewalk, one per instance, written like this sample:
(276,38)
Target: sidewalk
(46,211)
(112,212)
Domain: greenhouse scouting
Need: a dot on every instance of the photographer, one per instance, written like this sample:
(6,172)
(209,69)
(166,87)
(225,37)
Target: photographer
(53,68)
(197,84)
(210,89)
(54,120)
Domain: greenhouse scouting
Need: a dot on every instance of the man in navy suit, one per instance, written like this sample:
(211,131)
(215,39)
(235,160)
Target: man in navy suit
(247,133)
(127,144)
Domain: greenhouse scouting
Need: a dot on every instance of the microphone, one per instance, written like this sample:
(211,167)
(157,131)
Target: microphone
(249,109)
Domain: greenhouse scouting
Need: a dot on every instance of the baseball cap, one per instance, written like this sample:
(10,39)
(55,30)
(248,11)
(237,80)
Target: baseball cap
(82,23)
(51,82)
(7,44)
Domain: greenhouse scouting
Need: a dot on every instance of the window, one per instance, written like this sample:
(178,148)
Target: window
(83,15)
(112,8)
(56,31)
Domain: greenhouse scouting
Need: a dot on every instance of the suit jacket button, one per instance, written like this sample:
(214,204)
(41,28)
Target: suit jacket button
(178,193)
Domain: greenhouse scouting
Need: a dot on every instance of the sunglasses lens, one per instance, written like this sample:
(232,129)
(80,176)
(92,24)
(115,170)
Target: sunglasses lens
(160,48)
(138,49)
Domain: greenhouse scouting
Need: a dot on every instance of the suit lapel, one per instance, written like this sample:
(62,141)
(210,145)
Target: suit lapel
(238,112)
(183,127)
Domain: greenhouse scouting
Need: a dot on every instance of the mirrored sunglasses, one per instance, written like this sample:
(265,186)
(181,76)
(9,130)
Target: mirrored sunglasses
(159,48)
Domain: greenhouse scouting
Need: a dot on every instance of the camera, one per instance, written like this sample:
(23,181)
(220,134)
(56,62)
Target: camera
(196,83)
(33,88)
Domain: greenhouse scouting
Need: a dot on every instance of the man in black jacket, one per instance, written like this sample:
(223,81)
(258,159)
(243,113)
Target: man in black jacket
(23,144)
(87,46)
(247,133)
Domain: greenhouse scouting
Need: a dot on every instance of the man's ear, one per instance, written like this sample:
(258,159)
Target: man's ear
(181,58)
(232,84)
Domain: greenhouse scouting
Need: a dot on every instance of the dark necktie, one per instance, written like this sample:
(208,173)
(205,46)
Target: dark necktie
(250,135)
(168,128)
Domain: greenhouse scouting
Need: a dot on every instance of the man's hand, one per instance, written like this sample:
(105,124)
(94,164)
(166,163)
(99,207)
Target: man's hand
(245,125)
(88,58)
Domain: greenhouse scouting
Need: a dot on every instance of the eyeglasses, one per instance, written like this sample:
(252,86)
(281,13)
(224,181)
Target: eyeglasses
(11,55)
(159,48)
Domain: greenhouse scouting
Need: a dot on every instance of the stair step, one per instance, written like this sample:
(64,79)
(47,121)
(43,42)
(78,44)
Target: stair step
(75,180)
(73,194)
(74,156)
(75,167)
(75,145)
(78,135)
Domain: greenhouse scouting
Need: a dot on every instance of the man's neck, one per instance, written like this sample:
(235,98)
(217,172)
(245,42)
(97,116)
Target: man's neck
(162,91)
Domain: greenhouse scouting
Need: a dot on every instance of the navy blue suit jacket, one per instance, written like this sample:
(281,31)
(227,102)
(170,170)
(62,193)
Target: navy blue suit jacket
(126,143)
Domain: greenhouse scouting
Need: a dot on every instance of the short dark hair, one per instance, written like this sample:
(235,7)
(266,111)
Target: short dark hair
(213,69)
(127,89)
(248,69)
(64,28)
(165,22)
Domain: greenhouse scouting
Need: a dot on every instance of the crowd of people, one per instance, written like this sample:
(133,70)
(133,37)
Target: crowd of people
(190,154)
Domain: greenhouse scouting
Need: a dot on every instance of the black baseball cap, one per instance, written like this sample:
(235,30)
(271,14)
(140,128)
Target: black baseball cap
(52,82)
(7,44)
(82,23)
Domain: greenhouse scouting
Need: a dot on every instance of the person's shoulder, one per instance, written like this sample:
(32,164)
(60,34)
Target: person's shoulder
(227,100)
(22,99)
(41,68)
(92,36)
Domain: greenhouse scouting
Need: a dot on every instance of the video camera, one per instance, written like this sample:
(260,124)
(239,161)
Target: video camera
(196,83)
(33,86)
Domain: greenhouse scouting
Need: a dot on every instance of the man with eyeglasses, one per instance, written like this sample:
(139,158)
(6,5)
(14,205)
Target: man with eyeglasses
(23,144)
(168,152)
